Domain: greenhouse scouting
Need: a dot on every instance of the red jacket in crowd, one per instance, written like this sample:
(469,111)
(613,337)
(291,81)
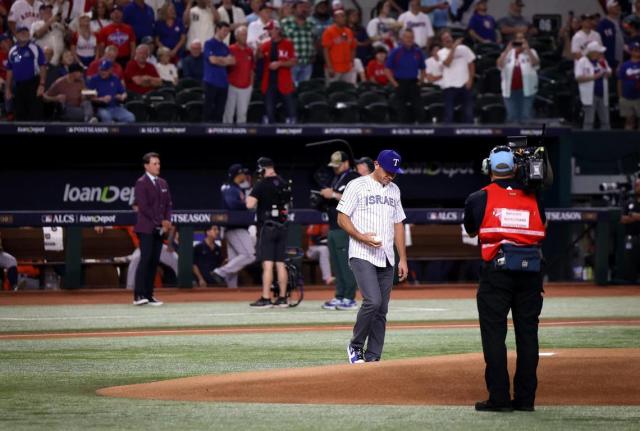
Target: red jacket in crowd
(285,53)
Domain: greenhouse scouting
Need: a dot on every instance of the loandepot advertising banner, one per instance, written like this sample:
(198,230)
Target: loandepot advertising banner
(423,184)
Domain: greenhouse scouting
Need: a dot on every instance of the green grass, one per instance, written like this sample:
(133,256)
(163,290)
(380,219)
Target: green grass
(50,383)
(212,314)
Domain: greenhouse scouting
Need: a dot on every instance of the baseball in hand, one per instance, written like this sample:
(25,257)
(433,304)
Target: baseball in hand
(376,238)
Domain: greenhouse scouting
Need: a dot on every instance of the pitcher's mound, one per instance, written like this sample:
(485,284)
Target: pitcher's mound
(574,377)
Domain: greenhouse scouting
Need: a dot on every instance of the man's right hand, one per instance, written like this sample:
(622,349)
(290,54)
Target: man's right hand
(202,283)
(368,239)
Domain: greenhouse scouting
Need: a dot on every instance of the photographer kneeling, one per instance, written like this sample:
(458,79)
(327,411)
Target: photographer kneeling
(510,222)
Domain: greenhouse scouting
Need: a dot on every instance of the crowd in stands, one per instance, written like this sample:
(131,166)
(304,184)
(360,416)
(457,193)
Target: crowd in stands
(291,61)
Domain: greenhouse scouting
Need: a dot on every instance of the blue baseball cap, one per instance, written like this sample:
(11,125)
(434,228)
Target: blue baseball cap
(501,161)
(390,161)
(106,64)
(236,169)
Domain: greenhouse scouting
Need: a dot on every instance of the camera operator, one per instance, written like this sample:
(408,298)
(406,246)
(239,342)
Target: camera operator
(631,222)
(271,197)
(338,239)
(510,222)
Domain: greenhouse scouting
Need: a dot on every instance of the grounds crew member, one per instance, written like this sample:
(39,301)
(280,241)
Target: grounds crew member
(338,239)
(510,223)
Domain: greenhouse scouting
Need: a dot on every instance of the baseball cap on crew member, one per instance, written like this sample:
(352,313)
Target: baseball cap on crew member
(236,169)
(367,161)
(337,158)
(501,161)
(390,161)
(106,64)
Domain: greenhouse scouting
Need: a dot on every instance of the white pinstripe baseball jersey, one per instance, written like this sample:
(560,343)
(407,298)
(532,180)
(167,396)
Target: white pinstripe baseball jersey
(372,207)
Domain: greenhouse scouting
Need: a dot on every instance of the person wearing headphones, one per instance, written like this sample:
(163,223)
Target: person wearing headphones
(511,224)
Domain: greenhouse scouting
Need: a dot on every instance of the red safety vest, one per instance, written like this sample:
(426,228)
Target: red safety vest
(512,217)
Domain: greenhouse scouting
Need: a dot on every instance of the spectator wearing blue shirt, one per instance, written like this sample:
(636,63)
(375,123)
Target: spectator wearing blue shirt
(438,11)
(629,88)
(141,17)
(611,33)
(217,58)
(592,74)
(26,66)
(482,26)
(110,92)
(405,70)
(170,31)
(193,63)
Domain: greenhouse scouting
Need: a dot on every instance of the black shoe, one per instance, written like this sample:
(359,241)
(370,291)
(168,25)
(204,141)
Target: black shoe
(262,303)
(489,406)
(217,279)
(522,407)
(281,302)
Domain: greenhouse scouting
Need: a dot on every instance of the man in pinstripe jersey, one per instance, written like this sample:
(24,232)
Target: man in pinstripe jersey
(371,213)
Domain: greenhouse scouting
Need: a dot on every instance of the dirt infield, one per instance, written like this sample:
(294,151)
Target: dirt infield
(246,294)
(566,377)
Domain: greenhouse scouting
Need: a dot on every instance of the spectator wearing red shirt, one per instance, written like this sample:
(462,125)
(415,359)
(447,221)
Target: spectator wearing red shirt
(277,83)
(375,68)
(5,46)
(141,76)
(240,79)
(119,34)
(110,53)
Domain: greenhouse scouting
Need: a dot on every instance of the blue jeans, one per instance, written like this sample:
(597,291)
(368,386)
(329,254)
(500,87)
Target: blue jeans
(461,94)
(117,114)
(519,107)
(301,72)
(270,103)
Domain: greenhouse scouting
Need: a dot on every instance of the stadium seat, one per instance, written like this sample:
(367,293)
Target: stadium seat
(255,114)
(189,95)
(373,107)
(192,111)
(343,106)
(434,112)
(165,112)
(340,87)
(316,84)
(185,83)
(484,63)
(493,113)
(487,99)
(491,49)
(491,81)
(431,97)
(313,107)
(256,94)
(159,95)
(139,109)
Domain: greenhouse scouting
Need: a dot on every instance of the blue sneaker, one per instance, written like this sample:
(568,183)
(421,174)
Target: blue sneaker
(355,354)
(332,304)
(347,304)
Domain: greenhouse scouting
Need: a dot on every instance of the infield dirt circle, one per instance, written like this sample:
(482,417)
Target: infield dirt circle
(566,376)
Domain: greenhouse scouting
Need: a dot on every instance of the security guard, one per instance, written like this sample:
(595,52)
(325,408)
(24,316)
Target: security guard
(510,223)
(338,239)
(240,249)
(271,197)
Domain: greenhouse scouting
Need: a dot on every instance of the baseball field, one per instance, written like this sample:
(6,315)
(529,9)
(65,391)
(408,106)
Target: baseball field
(205,360)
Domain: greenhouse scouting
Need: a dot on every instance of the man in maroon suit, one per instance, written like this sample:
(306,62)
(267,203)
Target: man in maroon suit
(153,200)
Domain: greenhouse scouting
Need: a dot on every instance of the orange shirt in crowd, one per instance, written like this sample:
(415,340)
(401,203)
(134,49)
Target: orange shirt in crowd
(340,43)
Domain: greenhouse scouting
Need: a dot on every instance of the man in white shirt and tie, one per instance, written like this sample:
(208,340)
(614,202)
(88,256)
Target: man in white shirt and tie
(371,213)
